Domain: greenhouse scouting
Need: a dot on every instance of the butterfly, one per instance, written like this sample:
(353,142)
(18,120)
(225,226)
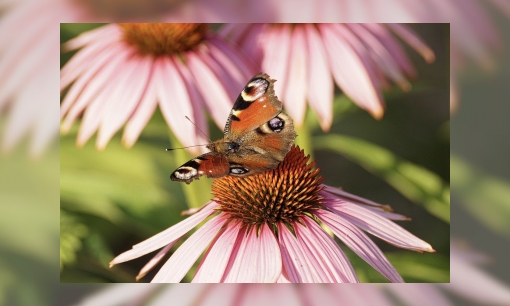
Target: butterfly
(256,138)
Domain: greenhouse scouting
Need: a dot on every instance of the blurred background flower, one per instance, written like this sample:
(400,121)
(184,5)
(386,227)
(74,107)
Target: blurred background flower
(470,286)
(363,59)
(122,72)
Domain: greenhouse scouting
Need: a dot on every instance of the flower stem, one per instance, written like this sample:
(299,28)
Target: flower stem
(304,139)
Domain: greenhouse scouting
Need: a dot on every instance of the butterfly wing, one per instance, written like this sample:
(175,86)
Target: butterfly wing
(255,105)
(211,164)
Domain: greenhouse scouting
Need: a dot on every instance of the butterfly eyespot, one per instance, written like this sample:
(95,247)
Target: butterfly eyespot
(238,170)
(276,124)
(254,90)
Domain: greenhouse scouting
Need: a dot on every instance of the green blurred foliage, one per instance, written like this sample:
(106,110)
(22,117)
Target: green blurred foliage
(114,199)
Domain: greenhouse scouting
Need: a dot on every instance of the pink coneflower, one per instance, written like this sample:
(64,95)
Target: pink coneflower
(124,71)
(267,228)
(362,59)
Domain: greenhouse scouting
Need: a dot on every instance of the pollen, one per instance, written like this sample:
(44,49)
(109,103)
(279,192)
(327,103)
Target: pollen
(282,195)
(164,38)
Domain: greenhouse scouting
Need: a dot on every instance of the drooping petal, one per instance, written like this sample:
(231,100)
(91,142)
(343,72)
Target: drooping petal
(215,95)
(418,294)
(185,256)
(106,32)
(276,51)
(93,89)
(154,261)
(351,71)
(360,243)
(107,57)
(257,260)
(220,48)
(178,295)
(167,236)
(319,82)
(125,99)
(378,226)
(215,261)
(174,101)
(414,41)
(82,61)
(294,258)
(294,96)
(338,264)
(143,113)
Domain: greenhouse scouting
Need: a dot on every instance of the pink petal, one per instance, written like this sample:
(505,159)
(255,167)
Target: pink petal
(413,40)
(394,48)
(142,113)
(154,261)
(381,56)
(215,95)
(125,99)
(88,92)
(418,294)
(174,101)
(245,65)
(185,256)
(476,285)
(175,294)
(257,260)
(229,295)
(13,71)
(294,96)
(215,261)
(378,226)
(86,58)
(328,191)
(197,103)
(351,69)
(167,236)
(276,49)
(110,32)
(251,43)
(119,294)
(294,258)
(359,242)
(329,252)
(319,83)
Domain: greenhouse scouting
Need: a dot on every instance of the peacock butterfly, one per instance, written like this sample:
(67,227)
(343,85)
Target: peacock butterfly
(256,138)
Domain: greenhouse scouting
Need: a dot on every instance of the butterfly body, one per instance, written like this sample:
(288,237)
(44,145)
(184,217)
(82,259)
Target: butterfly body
(257,136)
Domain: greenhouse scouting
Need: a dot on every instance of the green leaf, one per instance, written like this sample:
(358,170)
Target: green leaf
(416,183)
(486,197)
(71,234)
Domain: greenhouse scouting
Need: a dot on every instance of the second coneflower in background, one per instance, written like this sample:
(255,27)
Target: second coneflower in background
(267,228)
(122,72)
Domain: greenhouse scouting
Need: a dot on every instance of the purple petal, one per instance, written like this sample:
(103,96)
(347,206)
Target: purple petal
(378,226)
(174,270)
(154,261)
(245,65)
(119,294)
(294,95)
(418,294)
(104,33)
(173,295)
(167,236)
(319,83)
(215,261)
(359,242)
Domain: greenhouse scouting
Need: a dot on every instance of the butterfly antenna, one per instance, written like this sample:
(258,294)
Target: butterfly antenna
(198,128)
(171,149)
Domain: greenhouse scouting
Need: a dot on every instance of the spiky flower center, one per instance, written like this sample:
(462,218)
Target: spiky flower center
(164,38)
(284,194)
